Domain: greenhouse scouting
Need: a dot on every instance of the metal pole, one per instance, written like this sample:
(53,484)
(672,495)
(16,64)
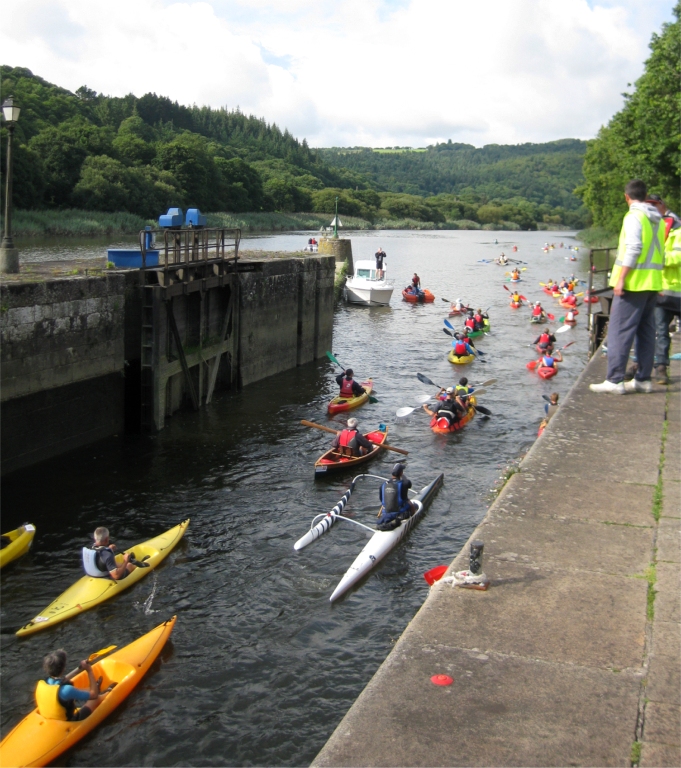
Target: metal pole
(335,223)
(7,241)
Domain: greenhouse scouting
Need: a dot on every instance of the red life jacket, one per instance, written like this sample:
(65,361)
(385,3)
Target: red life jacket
(536,312)
(470,323)
(571,300)
(480,319)
(346,388)
(460,349)
(544,338)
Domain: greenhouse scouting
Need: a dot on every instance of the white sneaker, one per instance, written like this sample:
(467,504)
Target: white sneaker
(645,387)
(608,386)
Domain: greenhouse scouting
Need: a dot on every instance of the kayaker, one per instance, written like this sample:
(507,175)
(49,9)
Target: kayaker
(551,407)
(479,318)
(348,386)
(515,274)
(502,259)
(515,298)
(380,256)
(394,496)
(462,346)
(538,310)
(351,442)
(99,560)
(451,408)
(549,360)
(57,699)
(570,299)
(570,317)
(463,391)
(458,306)
(469,322)
(545,340)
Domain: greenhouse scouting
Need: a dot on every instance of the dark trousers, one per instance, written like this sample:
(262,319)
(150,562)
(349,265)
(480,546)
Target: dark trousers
(667,308)
(632,321)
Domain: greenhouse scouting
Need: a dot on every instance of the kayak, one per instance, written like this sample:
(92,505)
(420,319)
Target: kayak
(333,461)
(590,299)
(544,371)
(485,329)
(565,305)
(515,304)
(537,319)
(425,296)
(340,404)
(455,312)
(569,322)
(459,359)
(382,542)
(540,350)
(90,591)
(18,542)
(515,280)
(38,741)
(442,426)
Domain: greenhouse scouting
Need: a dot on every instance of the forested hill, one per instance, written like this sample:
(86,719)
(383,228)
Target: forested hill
(143,154)
(540,173)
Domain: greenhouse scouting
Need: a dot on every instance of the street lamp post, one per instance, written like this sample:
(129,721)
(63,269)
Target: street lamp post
(335,223)
(9,255)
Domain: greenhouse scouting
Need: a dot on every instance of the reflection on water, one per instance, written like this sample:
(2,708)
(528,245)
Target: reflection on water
(261,668)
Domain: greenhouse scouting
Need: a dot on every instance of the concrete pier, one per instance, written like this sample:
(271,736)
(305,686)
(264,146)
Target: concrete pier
(572,656)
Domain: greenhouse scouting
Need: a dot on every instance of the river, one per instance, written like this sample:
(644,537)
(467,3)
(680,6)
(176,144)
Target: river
(261,667)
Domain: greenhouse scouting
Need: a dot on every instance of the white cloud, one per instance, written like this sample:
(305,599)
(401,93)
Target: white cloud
(372,72)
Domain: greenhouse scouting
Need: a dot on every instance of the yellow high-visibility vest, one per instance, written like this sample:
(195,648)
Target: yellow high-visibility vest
(671,275)
(646,274)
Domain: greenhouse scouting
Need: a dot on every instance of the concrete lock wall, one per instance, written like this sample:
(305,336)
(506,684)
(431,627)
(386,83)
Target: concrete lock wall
(340,249)
(62,355)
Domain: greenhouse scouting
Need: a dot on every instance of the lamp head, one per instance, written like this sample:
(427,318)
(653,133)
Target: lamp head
(10,110)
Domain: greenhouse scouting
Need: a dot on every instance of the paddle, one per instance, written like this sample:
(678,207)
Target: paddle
(435,574)
(93,658)
(522,298)
(306,423)
(402,412)
(449,325)
(425,380)
(563,329)
(372,399)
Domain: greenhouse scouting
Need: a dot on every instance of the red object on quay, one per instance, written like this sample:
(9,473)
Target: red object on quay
(441,679)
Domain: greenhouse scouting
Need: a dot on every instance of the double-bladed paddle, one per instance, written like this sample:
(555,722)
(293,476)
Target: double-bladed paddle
(306,423)
(93,658)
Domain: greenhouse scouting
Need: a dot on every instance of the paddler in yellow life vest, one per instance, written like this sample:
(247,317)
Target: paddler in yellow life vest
(57,699)
(515,298)
(351,442)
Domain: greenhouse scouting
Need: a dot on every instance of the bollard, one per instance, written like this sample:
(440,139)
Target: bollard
(475,562)
(474,577)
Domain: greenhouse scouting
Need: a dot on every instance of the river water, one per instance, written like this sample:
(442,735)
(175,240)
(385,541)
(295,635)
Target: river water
(261,667)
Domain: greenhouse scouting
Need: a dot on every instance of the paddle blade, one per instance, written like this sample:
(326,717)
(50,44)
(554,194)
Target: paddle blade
(425,380)
(488,383)
(569,344)
(506,288)
(563,329)
(550,316)
(480,391)
(333,359)
(402,412)
(422,399)
(447,331)
(547,398)
(435,574)
(483,410)
(373,399)
(448,324)
(94,656)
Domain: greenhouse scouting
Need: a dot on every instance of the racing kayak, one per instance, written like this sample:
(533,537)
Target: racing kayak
(382,542)
(90,591)
(340,404)
(442,426)
(18,543)
(459,359)
(38,741)
(485,329)
(333,461)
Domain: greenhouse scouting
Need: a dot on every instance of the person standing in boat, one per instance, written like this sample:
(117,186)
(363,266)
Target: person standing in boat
(394,496)
(380,256)
(351,442)
(348,386)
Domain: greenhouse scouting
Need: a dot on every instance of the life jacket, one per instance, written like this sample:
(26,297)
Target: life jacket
(416,281)
(516,297)
(91,562)
(346,388)
(544,338)
(536,312)
(470,323)
(461,391)
(547,362)
(479,319)
(348,442)
(515,275)
(460,349)
(49,705)
(446,411)
(391,496)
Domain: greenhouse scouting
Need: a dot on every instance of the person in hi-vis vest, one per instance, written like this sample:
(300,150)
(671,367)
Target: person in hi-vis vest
(636,280)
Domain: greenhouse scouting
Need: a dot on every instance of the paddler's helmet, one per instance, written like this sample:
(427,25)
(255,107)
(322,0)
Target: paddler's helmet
(537,303)
(458,301)
(398,469)
(352,423)
(450,390)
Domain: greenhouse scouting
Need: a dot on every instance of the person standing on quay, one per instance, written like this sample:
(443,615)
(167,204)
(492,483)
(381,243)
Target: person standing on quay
(636,280)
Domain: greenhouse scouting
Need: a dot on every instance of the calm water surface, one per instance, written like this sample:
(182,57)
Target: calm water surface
(261,667)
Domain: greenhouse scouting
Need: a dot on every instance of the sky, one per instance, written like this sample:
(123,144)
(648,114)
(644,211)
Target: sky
(354,72)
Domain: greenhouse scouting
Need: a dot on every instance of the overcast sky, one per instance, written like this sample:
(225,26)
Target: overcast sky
(354,72)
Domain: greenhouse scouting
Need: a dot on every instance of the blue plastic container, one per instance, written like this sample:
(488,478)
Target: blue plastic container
(174,218)
(131,259)
(195,218)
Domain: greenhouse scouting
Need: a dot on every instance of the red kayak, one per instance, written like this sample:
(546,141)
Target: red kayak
(590,299)
(515,304)
(425,296)
(565,305)
(443,427)
(544,371)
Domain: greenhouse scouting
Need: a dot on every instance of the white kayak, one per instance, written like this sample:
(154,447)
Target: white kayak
(382,542)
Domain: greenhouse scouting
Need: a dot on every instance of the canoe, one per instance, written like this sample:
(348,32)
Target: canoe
(333,461)
(38,741)
(90,591)
(382,542)
(515,304)
(459,359)
(425,296)
(475,334)
(340,404)
(19,542)
(443,427)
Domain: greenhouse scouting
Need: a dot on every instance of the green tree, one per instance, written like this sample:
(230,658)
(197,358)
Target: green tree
(642,140)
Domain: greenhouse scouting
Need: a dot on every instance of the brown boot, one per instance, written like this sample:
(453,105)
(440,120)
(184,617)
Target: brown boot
(661,375)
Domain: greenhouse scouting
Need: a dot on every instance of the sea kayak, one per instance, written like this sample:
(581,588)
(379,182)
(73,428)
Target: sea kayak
(38,741)
(483,330)
(459,359)
(340,404)
(382,542)
(443,427)
(90,591)
(17,543)
(424,296)
(333,461)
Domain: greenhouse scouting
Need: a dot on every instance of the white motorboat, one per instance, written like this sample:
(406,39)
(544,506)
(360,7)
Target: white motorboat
(364,288)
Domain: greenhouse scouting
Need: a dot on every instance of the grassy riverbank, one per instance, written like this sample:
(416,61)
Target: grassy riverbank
(597,237)
(74,223)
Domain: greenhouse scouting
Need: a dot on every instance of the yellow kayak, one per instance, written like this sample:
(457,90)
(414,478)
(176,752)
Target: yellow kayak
(38,741)
(20,540)
(90,591)
(340,404)
(459,359)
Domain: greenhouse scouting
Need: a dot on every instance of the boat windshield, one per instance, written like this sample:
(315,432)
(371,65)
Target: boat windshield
(369,274)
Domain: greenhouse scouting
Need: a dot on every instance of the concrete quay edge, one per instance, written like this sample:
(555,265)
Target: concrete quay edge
(572,656)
